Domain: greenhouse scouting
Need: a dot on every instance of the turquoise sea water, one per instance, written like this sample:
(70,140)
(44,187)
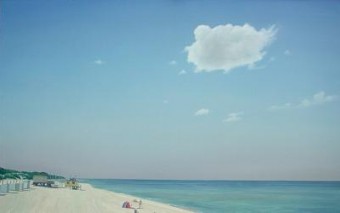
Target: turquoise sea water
(233,196)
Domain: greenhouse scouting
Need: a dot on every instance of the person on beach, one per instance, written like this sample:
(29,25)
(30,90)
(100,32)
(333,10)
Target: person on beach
(140,204)
(127,204)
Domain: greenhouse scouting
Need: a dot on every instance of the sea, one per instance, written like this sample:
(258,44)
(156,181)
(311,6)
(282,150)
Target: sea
(233,196)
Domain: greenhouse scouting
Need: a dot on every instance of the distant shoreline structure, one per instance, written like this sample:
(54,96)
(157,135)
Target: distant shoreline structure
(15,174)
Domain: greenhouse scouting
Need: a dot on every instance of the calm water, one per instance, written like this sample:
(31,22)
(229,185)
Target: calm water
(233,196)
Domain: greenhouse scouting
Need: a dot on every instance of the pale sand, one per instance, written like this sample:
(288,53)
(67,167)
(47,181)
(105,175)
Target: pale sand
(65,200)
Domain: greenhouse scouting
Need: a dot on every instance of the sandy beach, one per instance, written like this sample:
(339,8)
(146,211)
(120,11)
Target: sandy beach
(65,200)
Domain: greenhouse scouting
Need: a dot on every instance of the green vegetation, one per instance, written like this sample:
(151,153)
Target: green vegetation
(13,174)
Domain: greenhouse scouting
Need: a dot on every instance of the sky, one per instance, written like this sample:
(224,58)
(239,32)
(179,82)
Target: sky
(231,90)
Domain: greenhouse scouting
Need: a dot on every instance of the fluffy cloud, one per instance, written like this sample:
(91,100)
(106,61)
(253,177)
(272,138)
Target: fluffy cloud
(226,47)
(286,52)
(173,62)
(317,99)
(182,72)
(99,62)
(202,111)
(233,117)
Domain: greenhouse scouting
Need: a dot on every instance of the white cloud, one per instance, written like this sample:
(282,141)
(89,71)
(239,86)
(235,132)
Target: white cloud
(286,52)
(173,62)
(233,117)
(99,62)
(202,111)
(317,99)
(182,72)
(226,47)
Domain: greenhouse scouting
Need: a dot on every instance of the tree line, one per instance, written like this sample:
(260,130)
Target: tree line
(14,174)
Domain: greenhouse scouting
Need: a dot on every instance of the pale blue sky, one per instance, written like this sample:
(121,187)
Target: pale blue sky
(104,89)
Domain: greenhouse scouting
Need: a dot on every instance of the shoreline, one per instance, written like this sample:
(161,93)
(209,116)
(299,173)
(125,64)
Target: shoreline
(133,197)
(88,199)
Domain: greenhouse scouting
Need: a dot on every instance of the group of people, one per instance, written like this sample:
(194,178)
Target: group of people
(128,205)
